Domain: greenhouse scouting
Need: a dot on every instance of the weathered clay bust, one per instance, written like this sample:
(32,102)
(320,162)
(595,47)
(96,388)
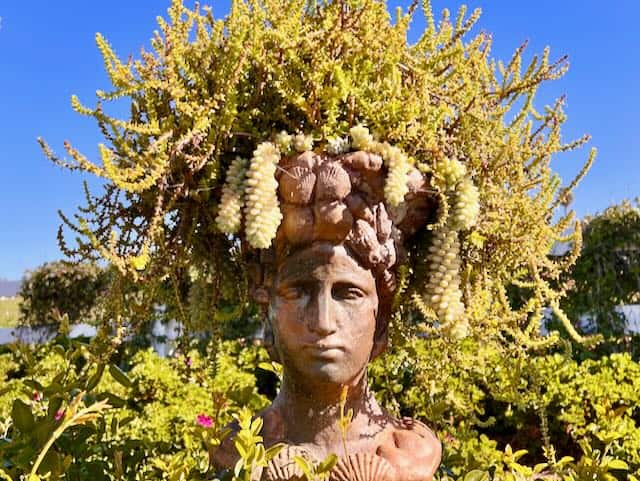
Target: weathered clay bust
(327,283)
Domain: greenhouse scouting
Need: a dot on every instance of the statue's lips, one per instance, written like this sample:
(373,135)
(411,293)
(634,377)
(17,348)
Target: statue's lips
(321,349)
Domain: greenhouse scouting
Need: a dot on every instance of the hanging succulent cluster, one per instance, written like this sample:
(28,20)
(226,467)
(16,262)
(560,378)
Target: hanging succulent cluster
(466,207)
(212,90)
(232,199)
(459,211)
(443,287)
(262,209)
(395,187)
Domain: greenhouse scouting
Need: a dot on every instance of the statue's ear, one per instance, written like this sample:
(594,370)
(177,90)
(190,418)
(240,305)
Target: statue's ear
(269,340)
(380,343)
(381,337)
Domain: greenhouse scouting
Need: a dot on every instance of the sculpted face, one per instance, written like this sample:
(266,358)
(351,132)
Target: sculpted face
(323,312)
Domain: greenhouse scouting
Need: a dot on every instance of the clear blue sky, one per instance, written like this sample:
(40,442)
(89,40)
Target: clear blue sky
(47,53)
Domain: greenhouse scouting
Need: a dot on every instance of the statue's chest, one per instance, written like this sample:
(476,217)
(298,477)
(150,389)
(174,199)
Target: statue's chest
(288,465)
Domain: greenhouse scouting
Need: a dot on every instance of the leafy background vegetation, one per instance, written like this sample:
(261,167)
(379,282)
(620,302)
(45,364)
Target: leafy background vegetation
(496,416)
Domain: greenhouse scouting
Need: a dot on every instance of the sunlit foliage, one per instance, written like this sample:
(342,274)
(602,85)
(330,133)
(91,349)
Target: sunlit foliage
(212,90)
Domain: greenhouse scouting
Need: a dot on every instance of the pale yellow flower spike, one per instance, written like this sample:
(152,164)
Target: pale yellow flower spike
(396,185)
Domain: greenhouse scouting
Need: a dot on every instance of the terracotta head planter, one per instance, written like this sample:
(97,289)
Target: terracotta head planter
(327,283)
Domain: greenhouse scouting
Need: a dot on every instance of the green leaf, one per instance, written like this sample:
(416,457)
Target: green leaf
(272,366)
(238,468)
(617,464)
(115,401)
(256,426)
(240,448)
(518,454)
(95,379)
(259,456)
(565,460)
(477,475)
(58,349)
(33,384)
(4,476)
(22,416)
(251,455)
(539,467)
(305,466)
(54,405)
(52,463)
(327,464)
(53,389)
(270,453)
(119,376)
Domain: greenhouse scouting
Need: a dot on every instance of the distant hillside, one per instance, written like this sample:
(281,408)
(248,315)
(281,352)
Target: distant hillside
(9,288)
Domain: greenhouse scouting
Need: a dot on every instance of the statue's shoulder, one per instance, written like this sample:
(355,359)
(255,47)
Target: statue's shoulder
(412,449)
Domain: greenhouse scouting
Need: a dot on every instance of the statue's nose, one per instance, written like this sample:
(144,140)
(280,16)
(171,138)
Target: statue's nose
(321,317)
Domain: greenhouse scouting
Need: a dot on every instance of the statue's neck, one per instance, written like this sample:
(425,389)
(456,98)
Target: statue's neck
(311,413)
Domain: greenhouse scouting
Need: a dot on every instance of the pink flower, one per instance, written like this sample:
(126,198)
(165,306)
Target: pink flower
(37,396)
(188,361)
(59,414)
(204,420)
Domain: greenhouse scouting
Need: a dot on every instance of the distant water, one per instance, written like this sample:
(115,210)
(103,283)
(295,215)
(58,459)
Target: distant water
(162,336)
(9,288)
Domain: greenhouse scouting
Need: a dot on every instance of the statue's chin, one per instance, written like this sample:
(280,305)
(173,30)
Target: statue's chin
(327,372)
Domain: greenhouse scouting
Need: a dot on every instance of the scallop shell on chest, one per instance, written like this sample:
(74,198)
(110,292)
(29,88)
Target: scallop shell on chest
(283,466)
(356,467)
(363,467)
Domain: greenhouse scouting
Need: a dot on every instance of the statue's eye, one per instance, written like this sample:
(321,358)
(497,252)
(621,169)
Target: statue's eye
(347,291)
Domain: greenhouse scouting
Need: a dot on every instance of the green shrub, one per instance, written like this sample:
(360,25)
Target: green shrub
(152,426)
(495,415)
(55,288)
(481,402)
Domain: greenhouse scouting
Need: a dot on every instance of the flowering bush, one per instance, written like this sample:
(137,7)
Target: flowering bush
(164,415)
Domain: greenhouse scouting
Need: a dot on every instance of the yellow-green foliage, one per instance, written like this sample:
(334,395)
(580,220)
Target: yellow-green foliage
(487,408)
(154,426)
(478,399)
(214,89)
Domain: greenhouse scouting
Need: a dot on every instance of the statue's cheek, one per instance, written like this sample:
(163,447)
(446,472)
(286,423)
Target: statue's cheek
(289,320)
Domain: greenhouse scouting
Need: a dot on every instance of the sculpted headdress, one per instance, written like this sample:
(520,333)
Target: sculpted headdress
(365,194)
